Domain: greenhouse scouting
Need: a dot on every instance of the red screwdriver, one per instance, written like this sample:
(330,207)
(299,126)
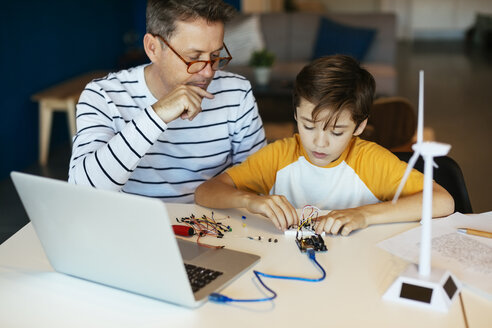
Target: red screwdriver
(182,230)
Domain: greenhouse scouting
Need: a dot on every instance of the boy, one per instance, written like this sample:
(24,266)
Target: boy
(326,164)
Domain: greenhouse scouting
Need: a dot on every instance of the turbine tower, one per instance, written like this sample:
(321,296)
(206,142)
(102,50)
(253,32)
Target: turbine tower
(435,289)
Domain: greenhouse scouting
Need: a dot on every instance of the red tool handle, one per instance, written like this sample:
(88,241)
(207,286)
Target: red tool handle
(181,230)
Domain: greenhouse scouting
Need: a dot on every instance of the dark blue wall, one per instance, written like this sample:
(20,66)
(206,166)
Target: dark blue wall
(235,3)
(43,43)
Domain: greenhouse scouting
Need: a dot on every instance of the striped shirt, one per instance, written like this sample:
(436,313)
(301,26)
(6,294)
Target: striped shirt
(121,144)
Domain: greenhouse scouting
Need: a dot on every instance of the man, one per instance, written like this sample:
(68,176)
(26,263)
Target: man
(161,129)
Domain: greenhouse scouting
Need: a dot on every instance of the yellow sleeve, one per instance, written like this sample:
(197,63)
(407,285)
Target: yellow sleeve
(258,172)
(382,171)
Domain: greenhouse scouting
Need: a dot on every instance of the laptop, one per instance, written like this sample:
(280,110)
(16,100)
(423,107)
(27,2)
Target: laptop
(123,241)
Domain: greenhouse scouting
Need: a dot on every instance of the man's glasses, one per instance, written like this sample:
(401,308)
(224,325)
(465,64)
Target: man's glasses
(196,66)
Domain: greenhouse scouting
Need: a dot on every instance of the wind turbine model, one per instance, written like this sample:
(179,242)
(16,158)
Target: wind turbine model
(436,289)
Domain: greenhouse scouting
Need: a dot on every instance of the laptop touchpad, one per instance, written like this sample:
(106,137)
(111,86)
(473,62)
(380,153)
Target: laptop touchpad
(190,250)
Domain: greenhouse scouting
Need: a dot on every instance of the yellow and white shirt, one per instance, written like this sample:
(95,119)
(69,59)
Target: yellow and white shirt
(365,173)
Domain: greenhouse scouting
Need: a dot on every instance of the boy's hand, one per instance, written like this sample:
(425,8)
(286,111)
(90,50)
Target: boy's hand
(276,208)
(343,221)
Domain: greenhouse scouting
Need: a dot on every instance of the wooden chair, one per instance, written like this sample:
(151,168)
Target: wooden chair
(61,97)
(392,123)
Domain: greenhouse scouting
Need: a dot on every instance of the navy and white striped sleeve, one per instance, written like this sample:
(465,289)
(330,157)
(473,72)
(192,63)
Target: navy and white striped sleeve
(106,149)
(249,135)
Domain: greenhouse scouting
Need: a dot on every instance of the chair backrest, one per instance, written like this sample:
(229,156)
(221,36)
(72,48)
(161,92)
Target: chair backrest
(449,175)
(392,123)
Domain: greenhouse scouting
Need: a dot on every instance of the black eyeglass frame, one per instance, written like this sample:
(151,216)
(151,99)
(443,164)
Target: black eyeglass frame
(212,62)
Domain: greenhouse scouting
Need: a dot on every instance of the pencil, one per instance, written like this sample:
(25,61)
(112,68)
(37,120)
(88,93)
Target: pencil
(475,232)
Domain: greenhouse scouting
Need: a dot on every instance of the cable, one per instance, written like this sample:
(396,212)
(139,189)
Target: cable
(306,221)
(220,298)
(463,310)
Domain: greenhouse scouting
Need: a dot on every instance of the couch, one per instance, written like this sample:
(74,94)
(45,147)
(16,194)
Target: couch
(293,38)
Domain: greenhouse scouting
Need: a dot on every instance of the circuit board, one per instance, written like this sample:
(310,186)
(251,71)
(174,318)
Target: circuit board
(314,242)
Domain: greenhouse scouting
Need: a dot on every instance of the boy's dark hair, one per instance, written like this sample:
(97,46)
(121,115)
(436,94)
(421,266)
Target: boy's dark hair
(335,83)
(161,15)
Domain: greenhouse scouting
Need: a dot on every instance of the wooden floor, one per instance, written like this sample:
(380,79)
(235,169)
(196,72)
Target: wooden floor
(458,107)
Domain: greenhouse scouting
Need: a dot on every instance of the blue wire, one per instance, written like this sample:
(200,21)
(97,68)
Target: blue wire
(220,298)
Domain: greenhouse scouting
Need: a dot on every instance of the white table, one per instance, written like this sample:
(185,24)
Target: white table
(358,273)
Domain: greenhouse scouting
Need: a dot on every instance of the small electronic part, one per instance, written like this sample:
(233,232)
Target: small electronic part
(292,232)
(270,240)
(314,242)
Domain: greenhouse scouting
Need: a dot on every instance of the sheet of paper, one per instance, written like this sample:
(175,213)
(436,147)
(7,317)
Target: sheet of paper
(468,257)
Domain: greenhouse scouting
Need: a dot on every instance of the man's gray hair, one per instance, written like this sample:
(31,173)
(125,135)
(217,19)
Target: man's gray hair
(162,15)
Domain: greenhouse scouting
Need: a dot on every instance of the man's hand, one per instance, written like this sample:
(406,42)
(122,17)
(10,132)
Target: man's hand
(276,208)
(184,102)
(343,221)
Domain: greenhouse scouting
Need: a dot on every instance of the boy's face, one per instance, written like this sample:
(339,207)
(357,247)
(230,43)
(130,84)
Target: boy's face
(325,146)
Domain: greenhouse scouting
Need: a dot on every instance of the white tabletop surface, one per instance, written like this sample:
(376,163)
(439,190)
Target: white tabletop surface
(358,273)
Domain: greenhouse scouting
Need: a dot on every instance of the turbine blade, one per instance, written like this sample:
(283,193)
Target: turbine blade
(410,165)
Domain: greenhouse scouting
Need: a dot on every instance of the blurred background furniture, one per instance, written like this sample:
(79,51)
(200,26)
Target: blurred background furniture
(275,107)
(298,37)
(479,35)
(61,97)
(449,175)
(393,124)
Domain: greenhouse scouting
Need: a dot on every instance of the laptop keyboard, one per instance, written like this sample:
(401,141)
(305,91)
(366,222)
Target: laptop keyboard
(199,276)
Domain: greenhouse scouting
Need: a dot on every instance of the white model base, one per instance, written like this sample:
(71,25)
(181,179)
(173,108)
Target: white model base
(436,291)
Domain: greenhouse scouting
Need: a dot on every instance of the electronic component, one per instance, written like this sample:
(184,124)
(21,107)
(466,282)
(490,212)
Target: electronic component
(292,232)
(314,242)
(204,226)
(306,237)
(307,222)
